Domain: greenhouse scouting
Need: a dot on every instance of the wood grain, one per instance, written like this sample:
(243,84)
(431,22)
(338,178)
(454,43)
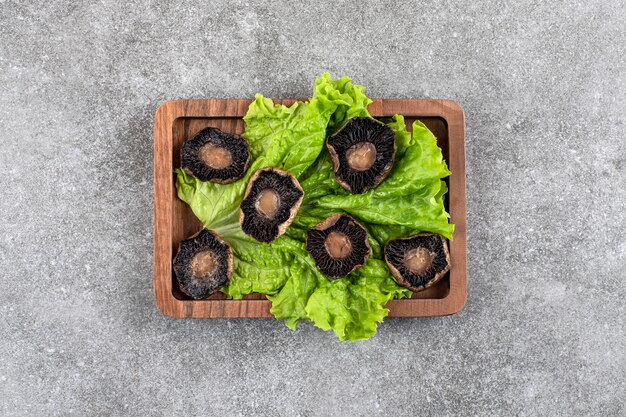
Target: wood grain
(179,120)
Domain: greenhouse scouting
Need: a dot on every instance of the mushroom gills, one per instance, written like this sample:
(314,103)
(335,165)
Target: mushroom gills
(338,245)
(270,203)
(203,264)
(362,152)
(216,156)
(418,262)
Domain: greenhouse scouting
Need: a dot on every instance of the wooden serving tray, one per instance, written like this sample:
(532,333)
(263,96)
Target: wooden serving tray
(179,120)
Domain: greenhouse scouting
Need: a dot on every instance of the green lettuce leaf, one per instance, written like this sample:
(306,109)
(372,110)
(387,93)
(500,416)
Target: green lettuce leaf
(289,304)
(422,210)
(350,99)
(272,131)
(215,205)
(258,268)
(351,307)
(291,138)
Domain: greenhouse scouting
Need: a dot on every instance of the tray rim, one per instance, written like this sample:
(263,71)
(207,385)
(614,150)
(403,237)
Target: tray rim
(165,118)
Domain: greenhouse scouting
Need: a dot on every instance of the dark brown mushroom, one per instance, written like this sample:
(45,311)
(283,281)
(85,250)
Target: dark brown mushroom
(338,245)
(418,262)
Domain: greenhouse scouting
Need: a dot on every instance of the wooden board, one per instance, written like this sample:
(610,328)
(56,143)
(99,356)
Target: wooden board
(179,120)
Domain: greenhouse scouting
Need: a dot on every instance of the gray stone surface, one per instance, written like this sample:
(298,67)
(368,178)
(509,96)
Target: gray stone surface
(543,87)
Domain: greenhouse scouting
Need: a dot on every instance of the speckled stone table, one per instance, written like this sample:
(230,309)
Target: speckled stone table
(543,85)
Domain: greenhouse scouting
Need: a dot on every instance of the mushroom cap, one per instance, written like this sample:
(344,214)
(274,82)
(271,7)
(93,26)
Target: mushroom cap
(419,261)
(342,263)
(203,264)
(372,164)
(266,226)
(230,153)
